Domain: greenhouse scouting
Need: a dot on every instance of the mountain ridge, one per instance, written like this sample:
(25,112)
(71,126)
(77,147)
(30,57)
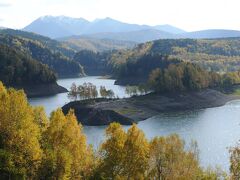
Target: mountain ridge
(62,26)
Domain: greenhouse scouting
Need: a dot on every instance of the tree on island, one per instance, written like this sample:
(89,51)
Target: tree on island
(88,91)
(106,93)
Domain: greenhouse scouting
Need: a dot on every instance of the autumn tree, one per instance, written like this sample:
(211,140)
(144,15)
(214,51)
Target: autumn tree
(19,135)
(41,118)
(89,91)
(169,160)
(73,93)
(106,93)
(123,155)
(136,153)
(85,91)
(235,163)
(103,91)
(112,152)
(67,155)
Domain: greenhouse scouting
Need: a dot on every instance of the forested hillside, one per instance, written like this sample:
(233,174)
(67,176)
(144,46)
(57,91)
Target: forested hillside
(94,63)
(17,69)
(219,55)
(187,76)
(61,64)
(52,44)
(94,44)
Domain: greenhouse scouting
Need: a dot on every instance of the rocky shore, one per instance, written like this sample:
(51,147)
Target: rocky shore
(131,110)
(42,90)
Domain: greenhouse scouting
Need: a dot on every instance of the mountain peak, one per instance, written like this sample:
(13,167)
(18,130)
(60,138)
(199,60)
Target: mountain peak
(107,19)
(60,18)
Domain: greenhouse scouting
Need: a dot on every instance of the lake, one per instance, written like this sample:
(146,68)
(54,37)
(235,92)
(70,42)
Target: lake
(214,129)
(52,102)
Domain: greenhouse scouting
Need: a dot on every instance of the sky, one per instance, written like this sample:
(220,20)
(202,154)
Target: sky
(189,15)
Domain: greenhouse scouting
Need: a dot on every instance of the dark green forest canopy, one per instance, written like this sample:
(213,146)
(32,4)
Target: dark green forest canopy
(19,69)
(112,62)
(61,64)
(94,63)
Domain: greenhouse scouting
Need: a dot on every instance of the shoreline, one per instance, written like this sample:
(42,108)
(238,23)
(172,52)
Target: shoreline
(42,90)
(127,111)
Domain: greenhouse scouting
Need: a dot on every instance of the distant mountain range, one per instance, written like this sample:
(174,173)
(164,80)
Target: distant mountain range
(142,36)
(212,34)
(62,26)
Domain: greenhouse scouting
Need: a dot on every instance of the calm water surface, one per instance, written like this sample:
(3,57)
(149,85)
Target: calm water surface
(215,129)
(52,102)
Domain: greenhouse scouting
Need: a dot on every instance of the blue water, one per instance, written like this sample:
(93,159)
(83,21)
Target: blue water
(214,129)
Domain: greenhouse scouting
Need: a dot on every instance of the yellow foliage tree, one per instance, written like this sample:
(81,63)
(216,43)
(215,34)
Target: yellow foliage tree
(41,118)
(136,153)
(67,154)
(169,160)
(111,152)
(19,133)
(32,147)
(235,163)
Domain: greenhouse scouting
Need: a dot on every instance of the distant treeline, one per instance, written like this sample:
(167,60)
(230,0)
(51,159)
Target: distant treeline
(33,146)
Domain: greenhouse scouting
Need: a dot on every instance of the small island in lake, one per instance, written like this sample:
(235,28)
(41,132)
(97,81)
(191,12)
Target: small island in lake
(131,110)
(179,87)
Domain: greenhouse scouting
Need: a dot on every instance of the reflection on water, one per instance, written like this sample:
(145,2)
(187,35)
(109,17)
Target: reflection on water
(215,129)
